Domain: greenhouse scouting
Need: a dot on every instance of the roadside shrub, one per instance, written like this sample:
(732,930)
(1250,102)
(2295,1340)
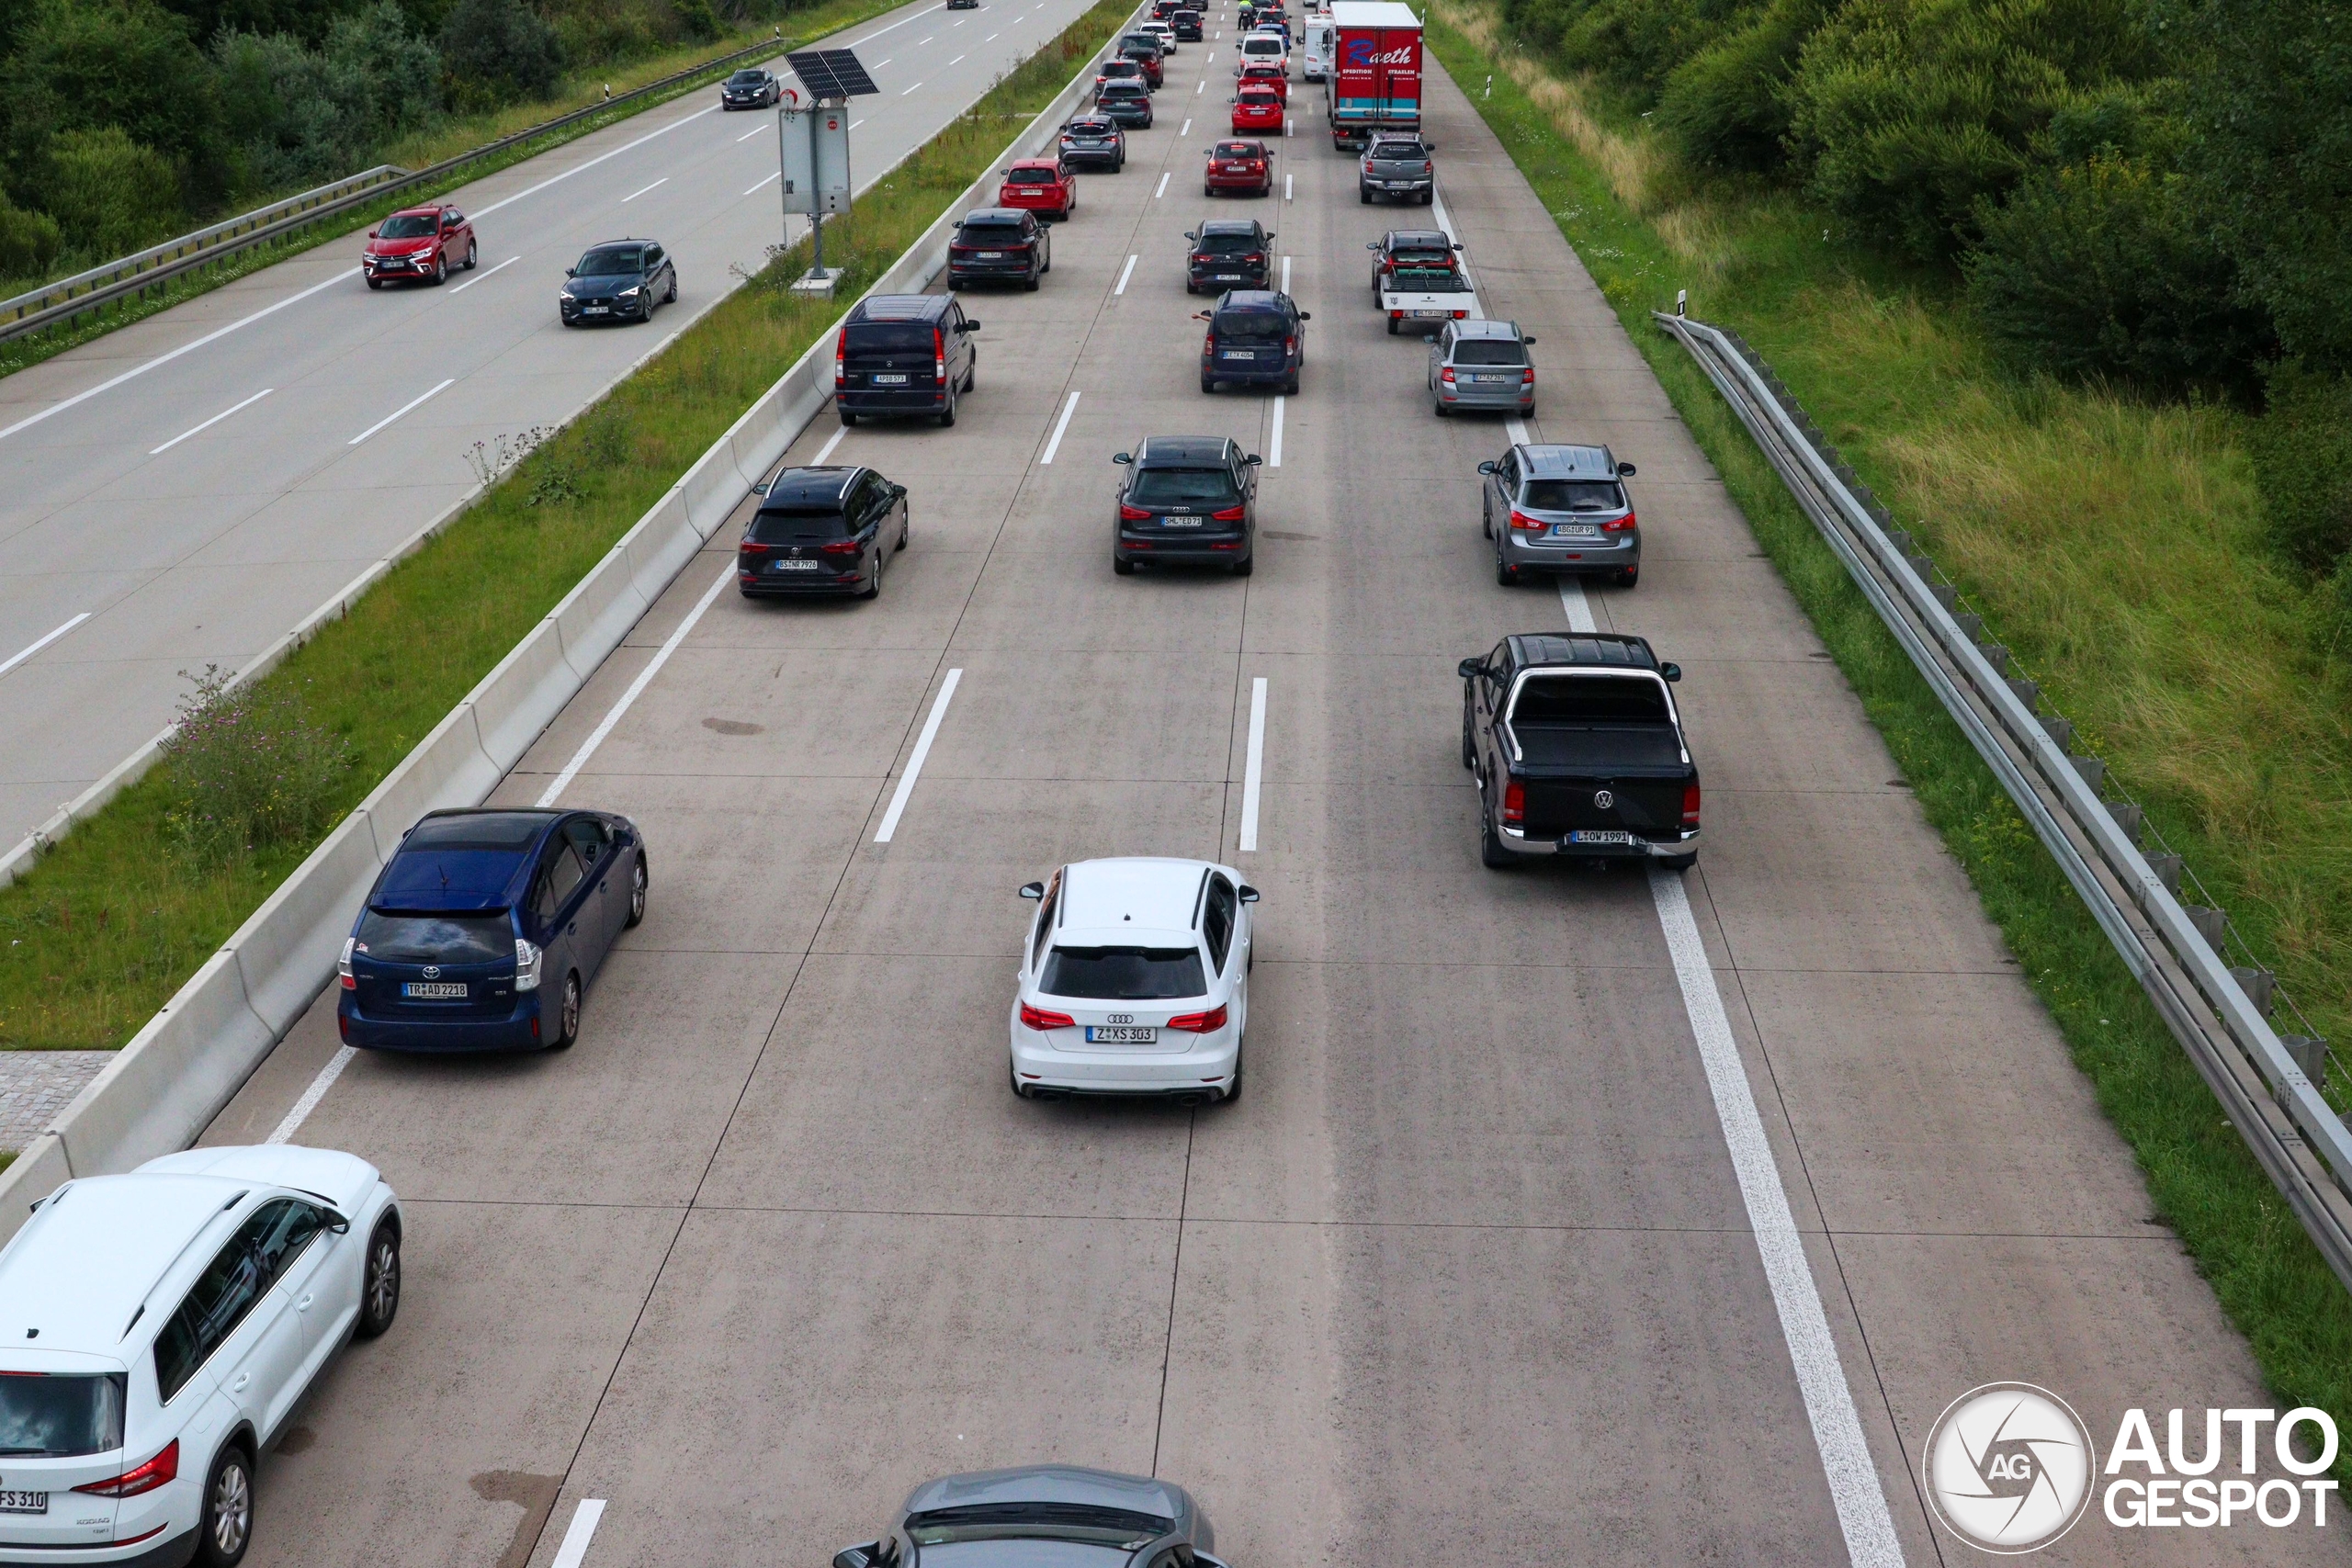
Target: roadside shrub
(698,20)
(89,64)
(1726,108)
(301,116)
(248,768)
(2302,452)
(498,51)
(110,194)
(2105,269)
(28,240)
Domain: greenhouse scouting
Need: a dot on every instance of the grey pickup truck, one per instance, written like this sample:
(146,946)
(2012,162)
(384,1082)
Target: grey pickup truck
(1577,750)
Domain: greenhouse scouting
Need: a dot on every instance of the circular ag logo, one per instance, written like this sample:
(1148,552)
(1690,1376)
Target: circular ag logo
(2009,1467)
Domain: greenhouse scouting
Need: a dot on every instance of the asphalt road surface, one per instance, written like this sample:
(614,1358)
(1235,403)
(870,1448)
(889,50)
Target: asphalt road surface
(186,491)
(1468,1275)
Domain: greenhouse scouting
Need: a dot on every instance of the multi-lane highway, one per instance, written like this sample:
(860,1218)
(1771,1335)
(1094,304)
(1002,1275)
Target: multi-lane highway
(186,491)
(1471,1273)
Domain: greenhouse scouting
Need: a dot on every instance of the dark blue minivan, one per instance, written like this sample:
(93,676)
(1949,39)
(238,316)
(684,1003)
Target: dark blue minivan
(484,928)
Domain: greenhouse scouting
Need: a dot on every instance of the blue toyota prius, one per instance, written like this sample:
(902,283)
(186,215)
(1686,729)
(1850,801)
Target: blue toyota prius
(484,928)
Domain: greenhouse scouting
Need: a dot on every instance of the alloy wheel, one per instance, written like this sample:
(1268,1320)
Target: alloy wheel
(232,1509)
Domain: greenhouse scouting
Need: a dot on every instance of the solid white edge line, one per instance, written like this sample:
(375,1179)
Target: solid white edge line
(482,212)
(1854,1489)
(501,266)
(1125,273)
(404,408)
(158,451)
(827,449)
(1517,429)
(35,647)
(635,194)
(914,763)
(161,359)
(635,688)
(1054,444)
(1575,605)
(1274,445)
(749,134)
(1285,275)
(1253,765)
(1163,185)
(575,1549)
(765,183)
(312,1095)
(894,26)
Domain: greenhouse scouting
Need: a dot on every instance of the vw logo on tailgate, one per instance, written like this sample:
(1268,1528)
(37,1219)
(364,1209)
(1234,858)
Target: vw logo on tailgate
(431,971)
(1604,799)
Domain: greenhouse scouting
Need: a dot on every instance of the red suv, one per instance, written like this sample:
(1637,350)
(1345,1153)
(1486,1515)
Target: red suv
(1267,75)
(1042,185)
(1238,166)
(423,242)
(1257,108)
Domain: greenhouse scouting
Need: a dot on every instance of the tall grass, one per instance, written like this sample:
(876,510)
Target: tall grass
(100,933)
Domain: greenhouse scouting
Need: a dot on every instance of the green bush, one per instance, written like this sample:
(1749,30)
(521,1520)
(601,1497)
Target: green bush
(2302,452)
(301,116)
(2105,269)
(498,51)
(110,194)
(28,240)
(248,770)
(90,64)
(699,20)
(1726,108)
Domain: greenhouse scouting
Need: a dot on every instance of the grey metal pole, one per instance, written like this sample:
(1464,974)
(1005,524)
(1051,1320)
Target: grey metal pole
(783,195)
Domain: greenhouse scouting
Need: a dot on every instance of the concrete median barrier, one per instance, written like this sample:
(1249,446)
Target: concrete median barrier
(660,546)
(447,767)
(287,950)
(162,1089)
(38,1170)
(521,697)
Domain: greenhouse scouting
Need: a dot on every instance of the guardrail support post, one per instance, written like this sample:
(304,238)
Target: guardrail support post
(2310,1053)
(2128,819)
(2167,869)
(2257,985)
(2210,923)
(2094,771)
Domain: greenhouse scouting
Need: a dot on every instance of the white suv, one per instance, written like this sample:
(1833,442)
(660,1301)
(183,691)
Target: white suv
(157,1328)
(1134,980)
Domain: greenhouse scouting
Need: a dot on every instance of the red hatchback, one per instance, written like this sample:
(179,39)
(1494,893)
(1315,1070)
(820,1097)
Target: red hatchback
(1267,75)
(423,243)
(1257,108)
(1042,185)
(1238,166)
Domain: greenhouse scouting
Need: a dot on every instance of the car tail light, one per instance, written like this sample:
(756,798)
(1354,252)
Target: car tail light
(1133,514)
(939,355)
(1396,315)
(1207,1022)
(1526,525)
(342,965)
(1039,1018)
(1290,345)
(526,966)
(1625,525)
(841,547)
(1230,514)
(1691,804)
(841,362)
(161,1471)
(1254,257)
(1446,374)
(1515,803)
(1527,376)
(752,548)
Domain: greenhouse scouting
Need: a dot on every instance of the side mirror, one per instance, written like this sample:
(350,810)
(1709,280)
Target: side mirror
(1486,468)
(1254,460)
(1190,235)
(1307,315)
(761,488)
(1457,245)
(969,326)
(1672,671)
(1469,669)
(1372,245)
(1122,457)
(571,272)
(1431,145)
(1527,340)
(957,225)
(1626,470)
(1200,315)
(898,492)
(855,1556)
(1033,890)
(1249,895)
(371,234)
(1271,236)
(338,1223)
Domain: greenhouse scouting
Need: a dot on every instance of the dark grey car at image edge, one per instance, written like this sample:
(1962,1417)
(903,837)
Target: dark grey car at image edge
(1044,1516)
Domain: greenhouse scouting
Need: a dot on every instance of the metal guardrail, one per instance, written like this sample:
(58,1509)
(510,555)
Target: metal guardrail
(2263,1082)
(84,292)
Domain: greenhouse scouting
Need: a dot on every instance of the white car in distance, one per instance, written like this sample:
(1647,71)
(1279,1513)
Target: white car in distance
(156,1330)
(1135,981)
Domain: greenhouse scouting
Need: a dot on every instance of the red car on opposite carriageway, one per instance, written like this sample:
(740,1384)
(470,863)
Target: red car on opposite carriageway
(1257,108)
(418,244)
(1042,185)
(1238,168)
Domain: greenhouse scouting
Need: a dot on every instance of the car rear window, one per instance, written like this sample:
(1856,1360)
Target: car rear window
(890,337)
(1029,178)
(1128,88)
(1481,352)
(1239,149)
(1123,973)
(1589,699)
(1090,127)
(1230,245)
(1259,97)
(797,525)
(436,939)
(1400,150)
(1170,487)
(60,1415)
(1571,495)
(1252,325)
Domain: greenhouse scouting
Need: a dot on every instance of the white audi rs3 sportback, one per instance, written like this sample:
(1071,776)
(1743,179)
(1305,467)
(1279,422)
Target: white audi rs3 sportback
(1134,980)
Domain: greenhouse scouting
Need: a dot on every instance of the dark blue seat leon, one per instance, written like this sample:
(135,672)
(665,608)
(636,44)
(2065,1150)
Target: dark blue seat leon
(484,928)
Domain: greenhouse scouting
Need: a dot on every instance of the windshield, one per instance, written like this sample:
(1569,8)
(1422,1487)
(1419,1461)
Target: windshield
(58,1415)
(797,526)
(1058,1521)
(1572,700)
(1030,177)
(1252,326)
(746,78)
(436,939)
(1170,487)
(1570,495)
(1230,245)
(409,226)
(1123,973)
(608,264)
(1478,352)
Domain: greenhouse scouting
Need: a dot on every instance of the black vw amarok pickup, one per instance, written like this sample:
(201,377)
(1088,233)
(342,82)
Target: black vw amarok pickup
(1577,748)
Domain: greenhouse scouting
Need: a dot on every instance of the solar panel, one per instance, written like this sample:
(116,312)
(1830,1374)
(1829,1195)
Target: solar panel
(831,73)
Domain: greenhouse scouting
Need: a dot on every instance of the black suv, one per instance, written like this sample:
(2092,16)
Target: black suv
(904,354)
(1186,26)
(620,280)
(1186,501)
(1256,337)
(998,244)
(750,89)
(1229,253)
(825,531)
(1093,141)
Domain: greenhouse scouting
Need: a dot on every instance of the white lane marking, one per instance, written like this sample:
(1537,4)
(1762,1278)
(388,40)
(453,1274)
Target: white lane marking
(1202,88)
(920,42)
(1288,125)
(1060,424)
(856,123)
(765,184)
(635,688)
(481,212)
(1516,429)
(957,60)
(312,1095)
(749,134)
(914,762)
(158,451)
(827,449)
(1854,1489)
(959,21)
(35,647)
(1163,185)
(1286,189)
(910,89)
(501,266)
(990,39)
(575,1549)
(1187,130)
(885,62)
(1274,446)
(894,26)
(1125,273)
(1285,275)
(1575,605)
(404,408)
(1254,765)
(161,359)
(642,189)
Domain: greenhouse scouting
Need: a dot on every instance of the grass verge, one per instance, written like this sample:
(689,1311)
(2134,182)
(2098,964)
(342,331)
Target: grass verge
(2112,544)
(105,927)
(445,140)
